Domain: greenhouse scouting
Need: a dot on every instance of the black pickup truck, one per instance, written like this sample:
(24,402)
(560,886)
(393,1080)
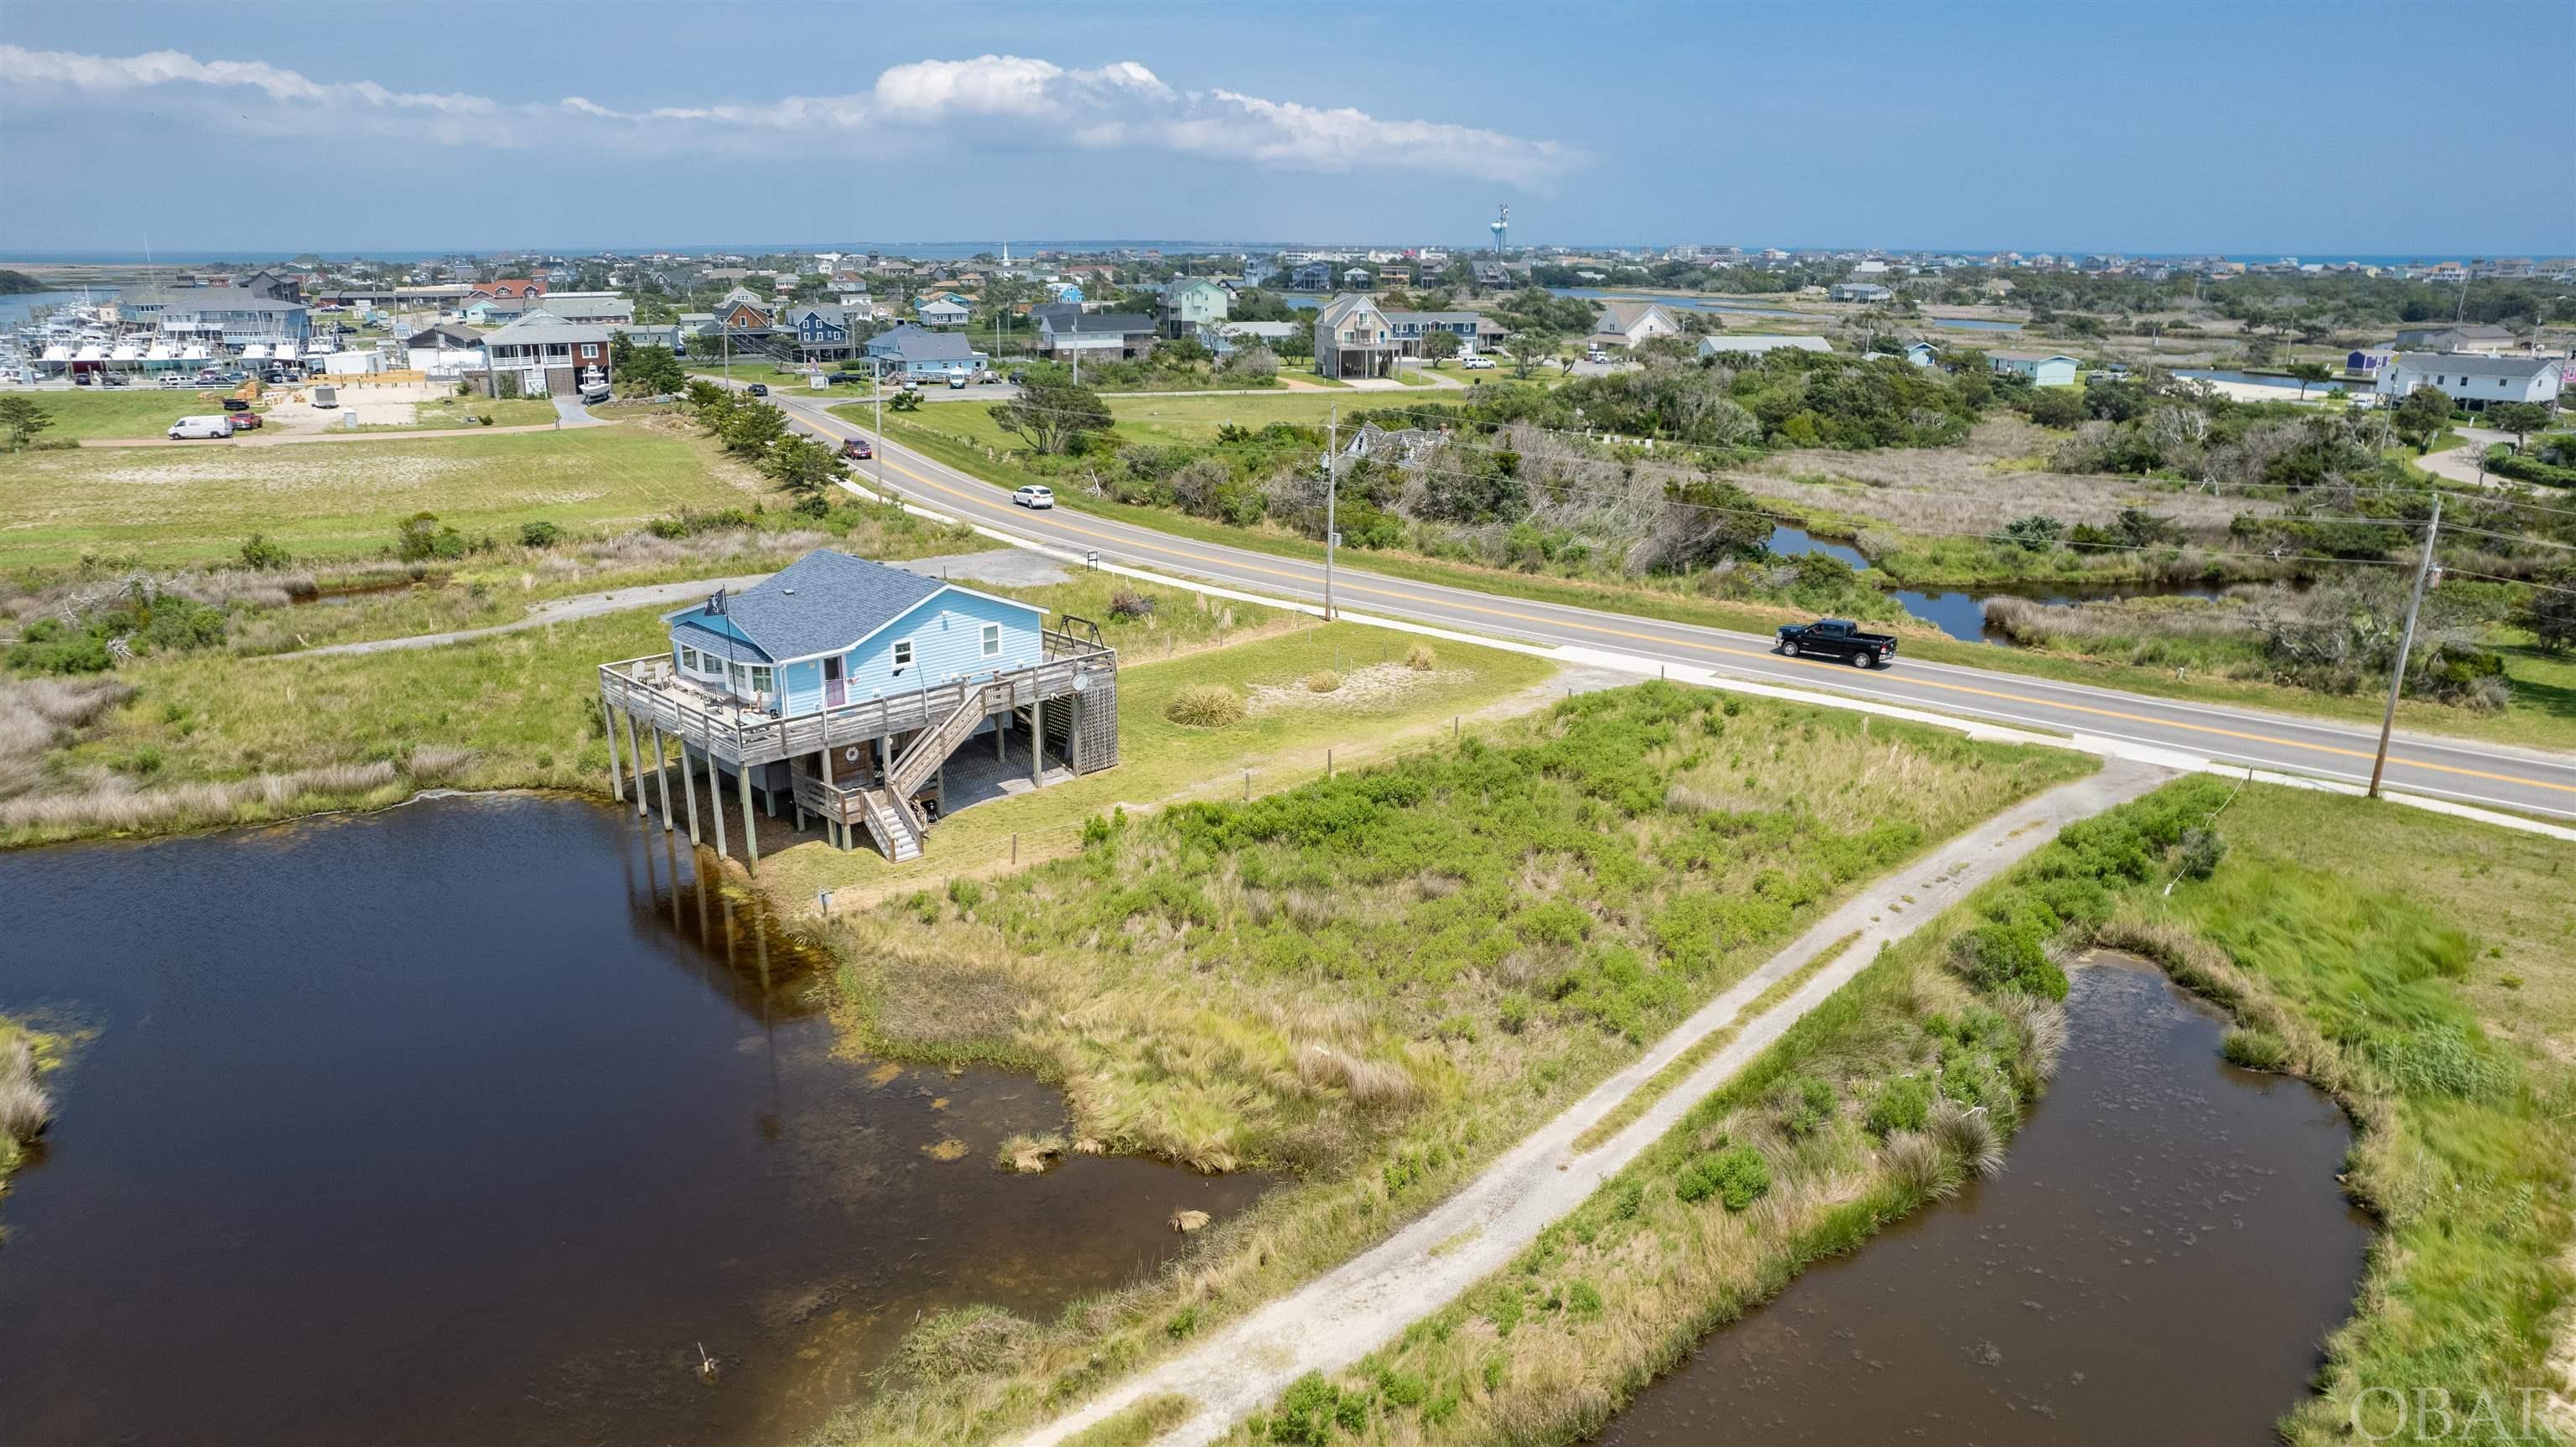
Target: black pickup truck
(1838,638)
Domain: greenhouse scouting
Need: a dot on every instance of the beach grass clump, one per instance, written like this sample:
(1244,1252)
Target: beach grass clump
(1420,658)
(1323,680)
(1205,706)
(25,1108)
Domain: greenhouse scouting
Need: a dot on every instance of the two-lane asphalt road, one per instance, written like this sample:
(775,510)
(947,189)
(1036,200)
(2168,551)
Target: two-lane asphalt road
(2530,781)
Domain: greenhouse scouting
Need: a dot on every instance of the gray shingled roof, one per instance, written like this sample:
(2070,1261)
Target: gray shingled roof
(1121,322)
(910,343)
(822,602)
(2474,364)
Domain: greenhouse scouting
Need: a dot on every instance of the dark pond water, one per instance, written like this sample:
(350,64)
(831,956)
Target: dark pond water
(2157,1264)
(1975,324)
(1963,615)
(469,1122)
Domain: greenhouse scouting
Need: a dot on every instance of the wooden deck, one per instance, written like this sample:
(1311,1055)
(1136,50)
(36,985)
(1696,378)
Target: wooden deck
(650,692)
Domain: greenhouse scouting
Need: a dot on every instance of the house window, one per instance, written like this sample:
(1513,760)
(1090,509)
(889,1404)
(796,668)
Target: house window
(689,658)
(903,653)
(762,680)
(741,679)
(992,640)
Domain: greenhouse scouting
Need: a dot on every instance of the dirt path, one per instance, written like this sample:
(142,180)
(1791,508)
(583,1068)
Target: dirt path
(1349,1311)
(263,438)
(557,610)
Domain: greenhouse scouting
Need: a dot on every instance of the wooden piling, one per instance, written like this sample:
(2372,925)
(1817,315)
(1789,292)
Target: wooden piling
(608,726)
(635,751)
(715,799)
(661,776)
(750,825)
(689,786)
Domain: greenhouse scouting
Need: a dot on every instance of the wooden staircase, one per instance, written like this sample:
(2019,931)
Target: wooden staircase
(931,747)
(891,821)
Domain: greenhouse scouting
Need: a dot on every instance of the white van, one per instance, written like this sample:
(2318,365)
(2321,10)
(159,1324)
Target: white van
(217,425)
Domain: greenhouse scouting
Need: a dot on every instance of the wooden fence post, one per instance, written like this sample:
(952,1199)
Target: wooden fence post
(608,726)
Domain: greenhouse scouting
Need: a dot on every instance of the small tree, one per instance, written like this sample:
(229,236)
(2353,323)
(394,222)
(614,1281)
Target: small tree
(22,418)
(2036,533)
(2422,414)
(264,553)
(803,466)
(2551,613)
(751,428)
(650,372)
(1439,346)
(1052,413)
(2309,373)
(2519,418)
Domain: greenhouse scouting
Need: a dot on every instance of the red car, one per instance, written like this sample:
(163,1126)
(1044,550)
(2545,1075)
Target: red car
(244,421)
(857,447)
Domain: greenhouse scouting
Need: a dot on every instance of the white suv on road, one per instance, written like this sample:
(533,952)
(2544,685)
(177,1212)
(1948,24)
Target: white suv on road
(1034,496)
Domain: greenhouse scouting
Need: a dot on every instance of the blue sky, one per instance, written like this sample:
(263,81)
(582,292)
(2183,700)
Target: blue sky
(2262,128)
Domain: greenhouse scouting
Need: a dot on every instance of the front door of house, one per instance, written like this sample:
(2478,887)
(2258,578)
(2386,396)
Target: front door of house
(835,691)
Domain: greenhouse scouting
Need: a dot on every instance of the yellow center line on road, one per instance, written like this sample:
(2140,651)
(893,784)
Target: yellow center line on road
(2276,741)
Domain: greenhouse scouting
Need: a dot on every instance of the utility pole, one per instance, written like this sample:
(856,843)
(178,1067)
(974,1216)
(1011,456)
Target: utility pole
(1332,491)
(879,449)
(2406,645)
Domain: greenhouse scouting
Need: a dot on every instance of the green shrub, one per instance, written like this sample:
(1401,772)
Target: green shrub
(1582,1298)
(539,534)
(2013,956)
(2202,850)
(1736,1175)
(1901,1104)
(1805,1105)
(264,553)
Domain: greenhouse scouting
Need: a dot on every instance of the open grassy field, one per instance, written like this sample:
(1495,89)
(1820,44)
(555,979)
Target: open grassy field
(341,500)
(1378,981)
(123,411)
(1384,705)
(469,412)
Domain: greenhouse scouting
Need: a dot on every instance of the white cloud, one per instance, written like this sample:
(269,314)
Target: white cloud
(1000,101)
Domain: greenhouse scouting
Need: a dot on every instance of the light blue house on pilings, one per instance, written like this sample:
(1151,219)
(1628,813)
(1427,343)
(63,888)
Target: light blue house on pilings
(845,686)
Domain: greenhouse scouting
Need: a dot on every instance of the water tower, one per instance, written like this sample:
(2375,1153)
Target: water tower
(1500,224)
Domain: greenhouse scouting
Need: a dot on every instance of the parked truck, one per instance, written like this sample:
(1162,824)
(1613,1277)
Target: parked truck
(1837,638)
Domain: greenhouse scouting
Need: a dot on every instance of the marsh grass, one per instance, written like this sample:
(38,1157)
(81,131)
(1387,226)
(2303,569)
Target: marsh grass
(1374,983)
(1137,1425)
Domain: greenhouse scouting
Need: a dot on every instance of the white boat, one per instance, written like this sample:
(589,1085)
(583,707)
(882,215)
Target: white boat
(126,352)
(58,352)
(255,352)
(162,352)
(90,352)
(193,352)
(317,348)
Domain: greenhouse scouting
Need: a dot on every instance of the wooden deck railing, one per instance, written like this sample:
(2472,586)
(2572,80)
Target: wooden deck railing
(651,692)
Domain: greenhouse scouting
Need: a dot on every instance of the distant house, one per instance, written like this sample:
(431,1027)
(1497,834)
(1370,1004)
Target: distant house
(604,307)
(1224,338)
(549,357)
(2473,338)
(1626,323)
(1192,303)
(943,311)
(1750,344)
(1066,291)
(740,310)
(2475,382)
(914,354)
(1359,278)
(1492,273)
(824,331)
(1258,272)
(670,336)
(486,312)
(1312,276)
(1354,339)
(1068,332)
(2363,364)
(444,337)
(1412,329)
(2044,369)
(510,288)
(1923,354)
(1861,291)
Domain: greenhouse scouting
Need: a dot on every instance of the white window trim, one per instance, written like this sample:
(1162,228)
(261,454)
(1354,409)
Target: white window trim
(689,659)
(992,640)
(903,653)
